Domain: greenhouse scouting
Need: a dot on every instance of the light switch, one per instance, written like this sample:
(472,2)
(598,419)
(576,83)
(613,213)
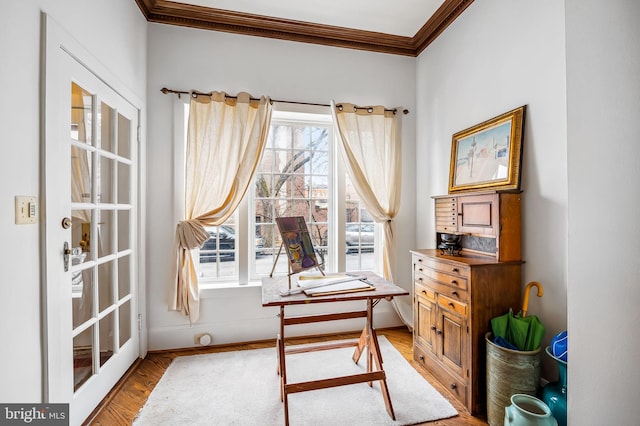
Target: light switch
(26,209)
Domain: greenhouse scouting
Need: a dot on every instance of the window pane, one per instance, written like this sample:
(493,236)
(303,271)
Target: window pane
(105,187)
(81,175)
(124,229)
(124,183)
(82,357)
(124,132)
(81,233)
(106,244)
(81,290)
(125,323)
(124,276)
(359,233)
(105,285)
(291,180)
(106,123)
(106,337)
(81,116)
(218,254)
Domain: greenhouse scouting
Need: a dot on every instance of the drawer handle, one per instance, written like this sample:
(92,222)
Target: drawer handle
(438,332)
(455,270)
(452,305)
(454,282)
(420,260)
(421,357)
(455,293)
(420,279)
(424,292)
(433,327)
(453,386)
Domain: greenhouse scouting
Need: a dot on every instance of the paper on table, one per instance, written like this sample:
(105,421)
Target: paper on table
(340,287)
(319,284)
(308,281)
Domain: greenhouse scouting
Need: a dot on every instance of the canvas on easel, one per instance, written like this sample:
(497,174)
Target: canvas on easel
(296,241)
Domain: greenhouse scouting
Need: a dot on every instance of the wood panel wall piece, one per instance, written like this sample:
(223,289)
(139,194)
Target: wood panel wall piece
(194,16)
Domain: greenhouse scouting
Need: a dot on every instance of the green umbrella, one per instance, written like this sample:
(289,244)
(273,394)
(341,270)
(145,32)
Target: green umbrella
(523,332)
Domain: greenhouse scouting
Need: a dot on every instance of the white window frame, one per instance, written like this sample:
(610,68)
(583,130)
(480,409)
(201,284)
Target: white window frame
(335,259)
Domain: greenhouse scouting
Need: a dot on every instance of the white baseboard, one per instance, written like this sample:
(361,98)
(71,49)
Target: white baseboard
(259,328)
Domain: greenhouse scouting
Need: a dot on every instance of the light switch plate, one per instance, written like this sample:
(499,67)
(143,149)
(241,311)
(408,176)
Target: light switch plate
(26,209)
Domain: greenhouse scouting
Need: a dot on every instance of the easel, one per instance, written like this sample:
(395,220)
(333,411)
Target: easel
(275,262)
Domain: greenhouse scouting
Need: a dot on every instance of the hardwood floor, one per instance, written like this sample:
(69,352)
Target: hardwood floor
(125,401)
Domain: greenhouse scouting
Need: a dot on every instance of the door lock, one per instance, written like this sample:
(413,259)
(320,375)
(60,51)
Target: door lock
(66,252)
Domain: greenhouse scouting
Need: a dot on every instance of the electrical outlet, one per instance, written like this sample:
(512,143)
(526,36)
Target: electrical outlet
(203,339)
(26,209)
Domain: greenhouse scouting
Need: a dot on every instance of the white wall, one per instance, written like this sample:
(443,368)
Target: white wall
(115,32)
(499,55)
(185,59)
(603,128)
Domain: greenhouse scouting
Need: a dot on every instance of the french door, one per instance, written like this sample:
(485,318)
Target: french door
(91,168)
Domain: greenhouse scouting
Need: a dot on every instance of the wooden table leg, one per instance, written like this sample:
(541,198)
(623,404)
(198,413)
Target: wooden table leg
(377,357)
(362,343)
(282,368)
(369,340)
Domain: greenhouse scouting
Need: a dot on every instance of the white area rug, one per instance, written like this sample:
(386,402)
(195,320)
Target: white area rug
(242,388)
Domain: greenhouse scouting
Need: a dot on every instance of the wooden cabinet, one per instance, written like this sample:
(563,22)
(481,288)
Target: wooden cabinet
(456,296)
(489,222)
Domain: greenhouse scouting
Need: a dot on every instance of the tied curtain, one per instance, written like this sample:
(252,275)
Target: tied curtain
(225,139)
(372,153)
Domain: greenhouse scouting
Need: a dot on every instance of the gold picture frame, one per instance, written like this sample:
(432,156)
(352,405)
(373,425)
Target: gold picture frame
(488,155)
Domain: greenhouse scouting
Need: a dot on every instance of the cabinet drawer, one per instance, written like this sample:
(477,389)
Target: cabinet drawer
(447,215)
(455,293)
(455,281)
(452,305)
(441,266)
(425,292)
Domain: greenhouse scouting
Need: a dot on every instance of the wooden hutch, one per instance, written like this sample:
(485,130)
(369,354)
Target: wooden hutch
(458,292)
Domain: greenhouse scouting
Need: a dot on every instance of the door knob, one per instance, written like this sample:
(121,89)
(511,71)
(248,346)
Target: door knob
(66,223)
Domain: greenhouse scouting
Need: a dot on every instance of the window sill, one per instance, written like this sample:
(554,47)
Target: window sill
(210,290)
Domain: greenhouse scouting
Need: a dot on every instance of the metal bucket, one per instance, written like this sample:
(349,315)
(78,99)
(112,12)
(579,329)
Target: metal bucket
(509,372)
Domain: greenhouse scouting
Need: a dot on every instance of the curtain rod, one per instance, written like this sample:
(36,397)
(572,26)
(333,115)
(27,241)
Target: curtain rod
(182,92)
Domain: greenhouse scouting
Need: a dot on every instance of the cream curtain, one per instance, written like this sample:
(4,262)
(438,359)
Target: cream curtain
(372,152)
(225,139)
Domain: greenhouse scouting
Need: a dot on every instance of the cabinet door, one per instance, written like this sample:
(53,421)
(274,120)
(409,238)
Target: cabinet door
(478,214)
(453,336)
(425,323)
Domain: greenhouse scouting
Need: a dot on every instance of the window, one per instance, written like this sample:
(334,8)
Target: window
(300,174)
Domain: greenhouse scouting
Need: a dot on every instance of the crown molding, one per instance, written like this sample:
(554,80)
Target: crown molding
(174,13)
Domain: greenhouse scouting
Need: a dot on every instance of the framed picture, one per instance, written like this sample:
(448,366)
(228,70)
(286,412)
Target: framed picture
(488,155)
(297,243)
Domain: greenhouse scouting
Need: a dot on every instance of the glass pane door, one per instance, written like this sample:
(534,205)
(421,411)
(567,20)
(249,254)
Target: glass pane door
(101,244)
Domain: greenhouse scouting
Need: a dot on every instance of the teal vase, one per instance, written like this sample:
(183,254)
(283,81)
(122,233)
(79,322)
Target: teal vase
(555,394)
(527,410)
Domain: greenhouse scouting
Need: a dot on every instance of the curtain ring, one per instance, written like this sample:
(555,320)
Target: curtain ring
(369,110)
